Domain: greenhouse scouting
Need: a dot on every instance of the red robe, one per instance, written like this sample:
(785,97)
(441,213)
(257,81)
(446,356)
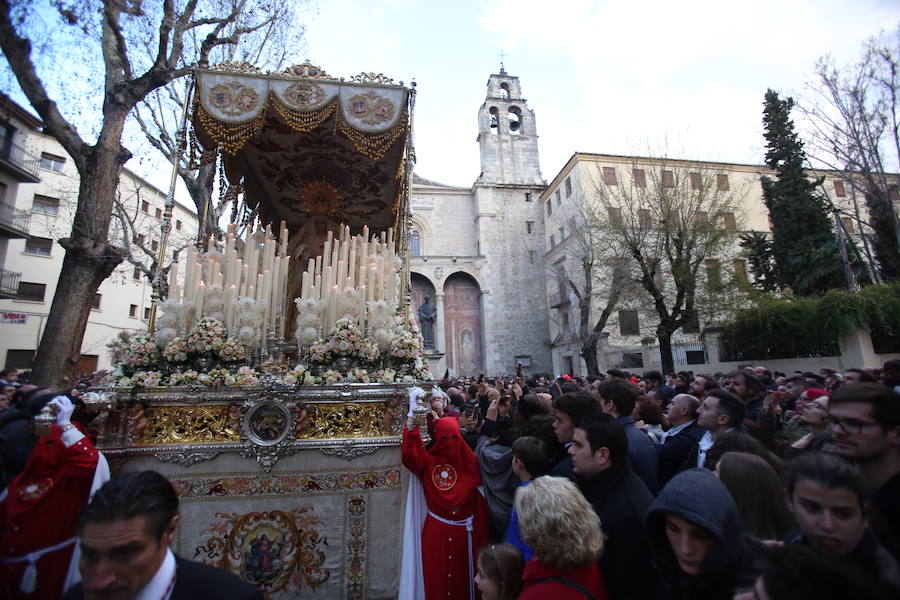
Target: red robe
(450,477)
(40,510)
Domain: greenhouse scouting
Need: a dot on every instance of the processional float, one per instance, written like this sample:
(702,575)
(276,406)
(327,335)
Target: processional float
(270,388)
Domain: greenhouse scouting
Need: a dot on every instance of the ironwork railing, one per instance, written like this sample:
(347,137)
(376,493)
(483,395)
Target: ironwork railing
(9,282)
(23,159)
(14,218)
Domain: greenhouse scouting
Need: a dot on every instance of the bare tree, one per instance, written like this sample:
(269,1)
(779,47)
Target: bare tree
(677,221)
(855,128)
(158,115)
(592,277)
(113,29)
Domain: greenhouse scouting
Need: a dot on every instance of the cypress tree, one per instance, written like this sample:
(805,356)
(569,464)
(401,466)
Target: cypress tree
(804,246)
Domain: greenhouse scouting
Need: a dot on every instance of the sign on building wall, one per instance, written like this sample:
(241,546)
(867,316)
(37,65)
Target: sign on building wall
(14,317)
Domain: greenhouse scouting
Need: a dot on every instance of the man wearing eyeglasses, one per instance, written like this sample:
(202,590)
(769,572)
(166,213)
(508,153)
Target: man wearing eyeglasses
(866,429)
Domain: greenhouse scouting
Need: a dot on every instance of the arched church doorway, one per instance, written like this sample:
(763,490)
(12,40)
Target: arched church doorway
(462,325)
(422,287)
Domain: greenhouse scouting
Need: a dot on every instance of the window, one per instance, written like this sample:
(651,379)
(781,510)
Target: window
(552,240)
(550,207)
(2,188)
(740,269)
(609,176)
(51,162)
(848,224)
(175,254)
(639,177)
(562,233)
(45,205)
(568,186)
(839,190)
(495,120)
(136,274)
(145,206)
(722,182)
(178,225)
(140,238)
(154,245)
(566,325)
(504,90)
(645,220)
(529,226)
(515,120)
(32,291)
(415,244)
(615,216)
(159,213)
(40,246)
(628,322)
(132,310)
(96,303)
(695,357)
(668,179)
(527,196)
(730,223)
(713,275)
(695,180)
(146,313)
(633,360)
(558,198)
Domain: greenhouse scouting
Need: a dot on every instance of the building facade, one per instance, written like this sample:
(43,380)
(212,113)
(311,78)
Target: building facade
(44,202)
(476,252)
(588,187)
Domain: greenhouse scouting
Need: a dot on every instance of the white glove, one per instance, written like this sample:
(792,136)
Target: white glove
(413,394)
(64,410)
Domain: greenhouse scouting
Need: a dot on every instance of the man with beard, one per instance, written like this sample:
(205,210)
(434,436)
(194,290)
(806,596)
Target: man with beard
(866,429)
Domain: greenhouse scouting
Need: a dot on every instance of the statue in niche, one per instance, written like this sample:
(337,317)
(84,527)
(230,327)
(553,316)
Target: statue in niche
(427,315)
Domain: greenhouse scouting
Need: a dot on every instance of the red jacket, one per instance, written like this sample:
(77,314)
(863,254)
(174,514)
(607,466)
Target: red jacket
(588,577)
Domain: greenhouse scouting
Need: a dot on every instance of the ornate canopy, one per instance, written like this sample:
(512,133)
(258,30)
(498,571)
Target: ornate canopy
(307,147)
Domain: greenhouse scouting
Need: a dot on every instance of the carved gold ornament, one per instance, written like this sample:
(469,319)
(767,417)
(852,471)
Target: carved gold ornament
(371,77)
(188,425)
(346,420)
(307,70)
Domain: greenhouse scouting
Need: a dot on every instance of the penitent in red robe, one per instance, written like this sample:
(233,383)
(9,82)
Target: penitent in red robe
(457,523)
(40,511)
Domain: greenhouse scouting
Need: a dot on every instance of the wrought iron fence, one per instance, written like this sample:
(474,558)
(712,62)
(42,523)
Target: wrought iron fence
(9,282)
(14,218)
(23,159)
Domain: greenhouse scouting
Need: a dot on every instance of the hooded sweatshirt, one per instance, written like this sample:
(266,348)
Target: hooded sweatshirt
(733,562)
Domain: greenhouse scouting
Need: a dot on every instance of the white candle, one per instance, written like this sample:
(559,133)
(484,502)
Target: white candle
(173,279)
(199,297)
(230,293)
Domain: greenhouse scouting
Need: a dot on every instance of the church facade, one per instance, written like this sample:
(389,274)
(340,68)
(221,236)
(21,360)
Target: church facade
(477,252)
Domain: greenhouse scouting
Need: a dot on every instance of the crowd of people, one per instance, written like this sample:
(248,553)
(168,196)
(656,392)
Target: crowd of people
(745,485)
(750,484)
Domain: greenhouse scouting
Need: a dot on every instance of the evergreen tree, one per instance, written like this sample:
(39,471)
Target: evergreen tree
(804,246)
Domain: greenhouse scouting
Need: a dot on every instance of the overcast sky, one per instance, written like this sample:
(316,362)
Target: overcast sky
(620,76)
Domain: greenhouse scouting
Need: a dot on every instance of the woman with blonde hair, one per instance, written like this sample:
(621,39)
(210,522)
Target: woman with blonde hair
(564,531)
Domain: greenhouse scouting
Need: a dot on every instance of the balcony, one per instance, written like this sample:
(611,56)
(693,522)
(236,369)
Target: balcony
(19,163)
(13,222)
(9,284)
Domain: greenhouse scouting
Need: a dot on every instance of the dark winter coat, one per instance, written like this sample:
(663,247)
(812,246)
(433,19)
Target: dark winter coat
(734,562)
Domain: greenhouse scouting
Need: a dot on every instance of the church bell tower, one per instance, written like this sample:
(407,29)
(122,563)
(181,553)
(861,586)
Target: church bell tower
(507,134)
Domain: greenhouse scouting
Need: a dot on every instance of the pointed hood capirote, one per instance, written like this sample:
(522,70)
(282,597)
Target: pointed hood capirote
(698,496)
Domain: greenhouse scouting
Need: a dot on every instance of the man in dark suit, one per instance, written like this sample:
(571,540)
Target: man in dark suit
(125,534)
(676,443)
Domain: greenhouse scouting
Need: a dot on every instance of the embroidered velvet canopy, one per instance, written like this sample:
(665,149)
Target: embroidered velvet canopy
(309,149)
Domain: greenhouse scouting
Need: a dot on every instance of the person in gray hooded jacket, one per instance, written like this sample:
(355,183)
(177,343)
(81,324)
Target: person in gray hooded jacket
(697,543)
